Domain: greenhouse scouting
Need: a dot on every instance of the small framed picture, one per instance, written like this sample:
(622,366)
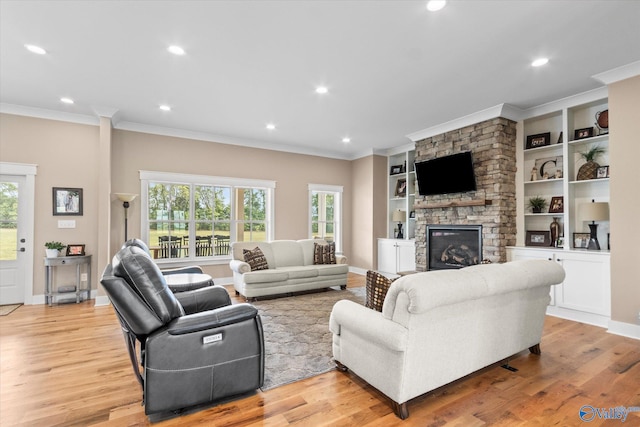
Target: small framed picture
(556,205)
(583,133)
(602,172)
(581,240)
(395,170)
(75,250)
(538,140)
(67,201)
(538,238)
(401,188)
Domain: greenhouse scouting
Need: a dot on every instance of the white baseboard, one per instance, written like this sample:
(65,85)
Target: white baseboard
(101,300)
(356,270)
(624,329)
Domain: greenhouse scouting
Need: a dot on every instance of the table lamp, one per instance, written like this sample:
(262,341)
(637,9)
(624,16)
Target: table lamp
(399,216)
(594,211)
(125,198)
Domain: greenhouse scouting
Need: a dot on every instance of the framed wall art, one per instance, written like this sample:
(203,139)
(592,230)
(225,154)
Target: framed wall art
(538,140)
(67,201)
(538,238)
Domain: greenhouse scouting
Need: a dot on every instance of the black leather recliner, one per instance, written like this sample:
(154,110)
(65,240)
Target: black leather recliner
(193,351)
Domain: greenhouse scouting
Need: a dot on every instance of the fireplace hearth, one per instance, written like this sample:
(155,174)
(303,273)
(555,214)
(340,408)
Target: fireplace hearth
(453,246)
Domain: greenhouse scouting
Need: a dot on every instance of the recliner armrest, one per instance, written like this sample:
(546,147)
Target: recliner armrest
(239,266)
(183,270)
(212,319)
(203,299)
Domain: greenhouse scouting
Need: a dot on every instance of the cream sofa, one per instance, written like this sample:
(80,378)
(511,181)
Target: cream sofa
(436,327)
(291,269)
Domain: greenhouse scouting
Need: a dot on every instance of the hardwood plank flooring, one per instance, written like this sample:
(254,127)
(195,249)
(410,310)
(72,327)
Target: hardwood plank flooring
(67,366)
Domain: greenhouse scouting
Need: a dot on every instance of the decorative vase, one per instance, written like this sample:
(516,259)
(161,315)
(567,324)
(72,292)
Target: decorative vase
(555,231)
(587,171)
(51,253)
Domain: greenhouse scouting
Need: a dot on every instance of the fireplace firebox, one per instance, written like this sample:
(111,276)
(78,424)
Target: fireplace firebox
(453,246)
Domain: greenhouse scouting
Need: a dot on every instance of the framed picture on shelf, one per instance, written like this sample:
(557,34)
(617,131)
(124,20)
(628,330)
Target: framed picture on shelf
(75,250)
(412,214)
(580,240)
(549,168)
(556,205)
(583,133)
(395,170)
(67,201)
(602,172)
(538,238)
(538,140)
(401,188)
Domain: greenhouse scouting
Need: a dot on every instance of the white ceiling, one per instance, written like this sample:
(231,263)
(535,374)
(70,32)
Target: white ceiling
(392,67)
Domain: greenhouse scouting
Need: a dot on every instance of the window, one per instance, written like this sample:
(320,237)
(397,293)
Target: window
(325,207)
(187,217)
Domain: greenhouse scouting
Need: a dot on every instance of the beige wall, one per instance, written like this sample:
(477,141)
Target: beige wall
(624,154)
(66,155)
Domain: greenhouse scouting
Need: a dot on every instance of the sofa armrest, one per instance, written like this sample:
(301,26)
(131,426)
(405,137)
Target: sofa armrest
(341,259)
(369,324)
(203,299)
(212,319)
(239,266)
(183,270)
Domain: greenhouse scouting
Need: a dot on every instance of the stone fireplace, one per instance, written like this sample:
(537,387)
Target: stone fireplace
(492,206)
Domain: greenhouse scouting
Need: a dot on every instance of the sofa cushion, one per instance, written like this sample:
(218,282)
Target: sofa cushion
(265,276)
(255,258)
(377,286)
(287,253)
(301,272)
(331,269)
(324,254)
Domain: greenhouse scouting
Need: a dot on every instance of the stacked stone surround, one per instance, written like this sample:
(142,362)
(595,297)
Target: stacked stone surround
(493,147)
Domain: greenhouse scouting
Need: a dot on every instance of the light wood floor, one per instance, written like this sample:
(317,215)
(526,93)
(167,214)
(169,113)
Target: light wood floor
(67,366)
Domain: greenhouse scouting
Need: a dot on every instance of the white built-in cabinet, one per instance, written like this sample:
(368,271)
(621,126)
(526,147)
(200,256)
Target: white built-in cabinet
(396,255)
(585,294)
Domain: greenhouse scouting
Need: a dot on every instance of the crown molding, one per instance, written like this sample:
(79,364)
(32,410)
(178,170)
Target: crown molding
(617,74)
(42,113)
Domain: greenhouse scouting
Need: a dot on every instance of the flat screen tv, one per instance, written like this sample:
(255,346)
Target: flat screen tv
(444,175)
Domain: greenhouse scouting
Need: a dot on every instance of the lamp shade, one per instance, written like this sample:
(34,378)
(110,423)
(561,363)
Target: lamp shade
(595,211)
(398,216)
(126,197)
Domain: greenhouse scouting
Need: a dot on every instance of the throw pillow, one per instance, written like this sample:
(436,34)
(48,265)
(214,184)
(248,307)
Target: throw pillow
(377,287)
(255,258)
(324,254)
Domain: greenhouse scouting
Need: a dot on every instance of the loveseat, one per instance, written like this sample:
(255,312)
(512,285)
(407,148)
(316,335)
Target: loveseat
(438,326)
(290,267)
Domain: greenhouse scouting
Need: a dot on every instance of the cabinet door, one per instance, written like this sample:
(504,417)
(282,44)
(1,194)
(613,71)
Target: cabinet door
(406,252)
(387,256)
(586,286)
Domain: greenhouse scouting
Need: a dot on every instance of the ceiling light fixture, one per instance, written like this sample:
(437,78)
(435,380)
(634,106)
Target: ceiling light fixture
(346,139)
(66,100)
(435,5)
(271,126)
(35,49)
(539,62)
(165,108)
(322,89)
(176,50)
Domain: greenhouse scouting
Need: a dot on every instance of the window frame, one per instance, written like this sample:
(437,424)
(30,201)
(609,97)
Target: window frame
(337,191)
(192,181)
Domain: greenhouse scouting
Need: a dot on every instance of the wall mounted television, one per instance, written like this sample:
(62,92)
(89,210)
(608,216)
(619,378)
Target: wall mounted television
(448,174)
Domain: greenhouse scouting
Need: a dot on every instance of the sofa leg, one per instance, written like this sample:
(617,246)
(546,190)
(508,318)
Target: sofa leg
(401,410)
(535,349)
(343,287)
(341,367)
(237,293)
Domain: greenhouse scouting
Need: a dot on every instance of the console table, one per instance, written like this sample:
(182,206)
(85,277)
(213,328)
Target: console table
(50,264)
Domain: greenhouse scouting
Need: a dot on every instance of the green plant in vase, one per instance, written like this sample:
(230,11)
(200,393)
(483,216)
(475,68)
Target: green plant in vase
(590,168)
(53,248)
(537,204)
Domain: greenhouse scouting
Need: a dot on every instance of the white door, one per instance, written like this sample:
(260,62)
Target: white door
(16,202)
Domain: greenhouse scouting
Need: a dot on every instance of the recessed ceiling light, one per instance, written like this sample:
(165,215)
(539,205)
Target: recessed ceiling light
(539,62)
(35,49)
(435,5)
(66,100)
(346,139)
(176,50)
(165,108)
(271,126)
(322,89)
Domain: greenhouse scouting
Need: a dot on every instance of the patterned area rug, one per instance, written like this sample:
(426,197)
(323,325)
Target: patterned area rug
(5,310)
(296,334)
